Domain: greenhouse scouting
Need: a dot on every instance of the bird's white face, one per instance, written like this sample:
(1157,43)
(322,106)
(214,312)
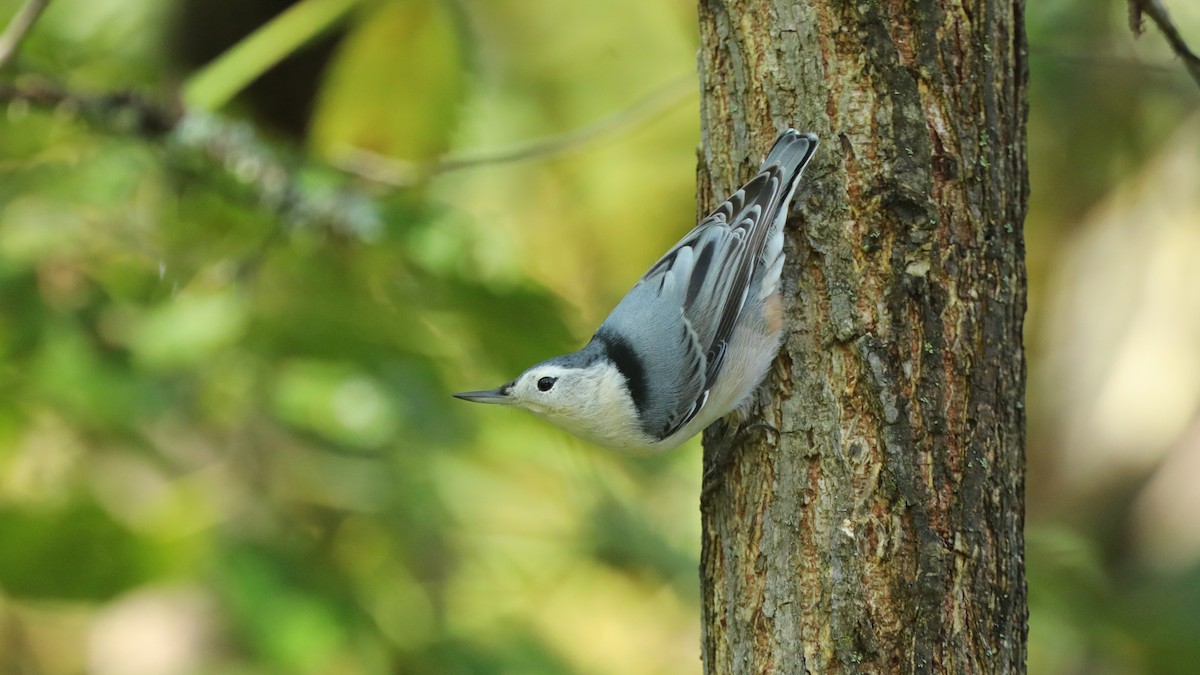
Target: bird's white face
(591,402)
(548,390)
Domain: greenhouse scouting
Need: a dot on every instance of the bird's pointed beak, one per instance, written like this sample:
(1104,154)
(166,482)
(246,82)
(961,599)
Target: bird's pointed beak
(497,395)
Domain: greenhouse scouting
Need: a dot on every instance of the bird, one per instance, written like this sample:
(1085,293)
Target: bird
(692,339)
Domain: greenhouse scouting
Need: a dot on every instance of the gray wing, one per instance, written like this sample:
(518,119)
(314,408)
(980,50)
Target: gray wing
(681,315)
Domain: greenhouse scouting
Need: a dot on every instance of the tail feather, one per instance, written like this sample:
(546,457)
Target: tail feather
(792,151)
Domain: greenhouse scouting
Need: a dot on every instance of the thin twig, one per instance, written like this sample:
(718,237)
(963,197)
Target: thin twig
(394,172)
(1100,61)
(1158,13)
(18,28)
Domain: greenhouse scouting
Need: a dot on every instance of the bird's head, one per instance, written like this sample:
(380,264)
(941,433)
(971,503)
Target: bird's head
(580,392)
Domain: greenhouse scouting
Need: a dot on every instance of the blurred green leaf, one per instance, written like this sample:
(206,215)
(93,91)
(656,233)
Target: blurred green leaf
(221,80)
(76,552)
(70,373)
(294,627)
(1153,623)
(188,329)
(336,401)
(515,326)
(622,538)
(397,86)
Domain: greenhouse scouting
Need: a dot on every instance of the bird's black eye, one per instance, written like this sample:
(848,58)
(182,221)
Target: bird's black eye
(546,383)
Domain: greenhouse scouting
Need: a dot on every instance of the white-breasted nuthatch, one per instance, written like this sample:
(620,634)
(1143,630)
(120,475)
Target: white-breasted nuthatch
(691,340)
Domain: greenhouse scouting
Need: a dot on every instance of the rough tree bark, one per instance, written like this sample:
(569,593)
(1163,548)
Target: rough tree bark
(881,530)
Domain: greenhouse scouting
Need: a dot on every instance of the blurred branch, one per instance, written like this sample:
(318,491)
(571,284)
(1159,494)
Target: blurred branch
(1158,13)
(18,28)
(401,173)
(118,112)
(237,151)
(201,143)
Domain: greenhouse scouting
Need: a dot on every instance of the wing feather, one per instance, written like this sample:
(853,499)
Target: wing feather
(705,280)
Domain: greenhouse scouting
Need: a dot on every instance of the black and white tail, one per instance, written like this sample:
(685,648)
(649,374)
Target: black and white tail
(791,153)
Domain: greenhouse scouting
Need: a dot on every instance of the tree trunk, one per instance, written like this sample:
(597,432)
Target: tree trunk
(881,530)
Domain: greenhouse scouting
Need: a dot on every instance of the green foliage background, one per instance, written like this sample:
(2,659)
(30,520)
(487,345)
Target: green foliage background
(226,439)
